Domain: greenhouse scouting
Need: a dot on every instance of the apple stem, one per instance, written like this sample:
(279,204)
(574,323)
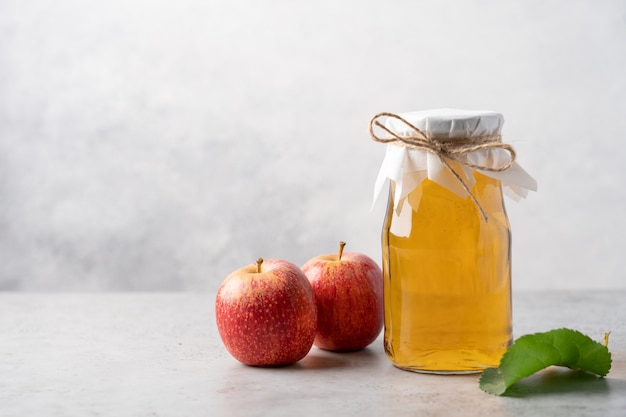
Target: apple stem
(341,246)
(258,265)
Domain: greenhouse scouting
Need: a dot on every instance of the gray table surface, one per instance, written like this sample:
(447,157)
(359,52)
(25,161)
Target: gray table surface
(159,354)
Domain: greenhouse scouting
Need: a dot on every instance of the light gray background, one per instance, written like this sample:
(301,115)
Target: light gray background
(159,145)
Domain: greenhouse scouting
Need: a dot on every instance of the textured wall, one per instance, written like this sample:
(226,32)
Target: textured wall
(155,145)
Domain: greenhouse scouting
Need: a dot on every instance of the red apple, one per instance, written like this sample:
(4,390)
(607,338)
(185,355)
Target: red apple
(348,290)
(266,314)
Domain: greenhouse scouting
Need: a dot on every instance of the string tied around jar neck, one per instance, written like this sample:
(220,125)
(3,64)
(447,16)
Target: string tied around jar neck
(454,149)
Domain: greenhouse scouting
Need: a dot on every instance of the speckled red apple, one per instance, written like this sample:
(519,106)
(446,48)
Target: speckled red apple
(348,290)
(266,314)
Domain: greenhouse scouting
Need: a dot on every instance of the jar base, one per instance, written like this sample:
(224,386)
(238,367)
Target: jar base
(439,372)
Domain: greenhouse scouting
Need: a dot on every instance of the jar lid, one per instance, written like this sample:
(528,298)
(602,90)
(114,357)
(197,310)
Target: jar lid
(408,166)
(449,123)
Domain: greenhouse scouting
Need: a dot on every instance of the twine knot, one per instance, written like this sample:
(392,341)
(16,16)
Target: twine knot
(454,149)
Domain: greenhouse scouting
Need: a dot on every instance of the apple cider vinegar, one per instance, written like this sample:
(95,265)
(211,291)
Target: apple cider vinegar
(446,238)
(447,286)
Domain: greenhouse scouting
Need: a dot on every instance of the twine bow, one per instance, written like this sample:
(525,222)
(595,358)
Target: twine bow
(454,149)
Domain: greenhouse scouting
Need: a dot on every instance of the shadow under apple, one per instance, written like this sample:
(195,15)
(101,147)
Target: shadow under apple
(324,359)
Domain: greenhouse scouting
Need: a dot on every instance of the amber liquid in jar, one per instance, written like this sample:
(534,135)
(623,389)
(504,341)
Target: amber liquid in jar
(447,286)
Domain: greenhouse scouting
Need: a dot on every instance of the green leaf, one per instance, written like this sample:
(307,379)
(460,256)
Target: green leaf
(534,352)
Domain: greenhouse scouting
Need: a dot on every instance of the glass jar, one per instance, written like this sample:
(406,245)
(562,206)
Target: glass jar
(446,243)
